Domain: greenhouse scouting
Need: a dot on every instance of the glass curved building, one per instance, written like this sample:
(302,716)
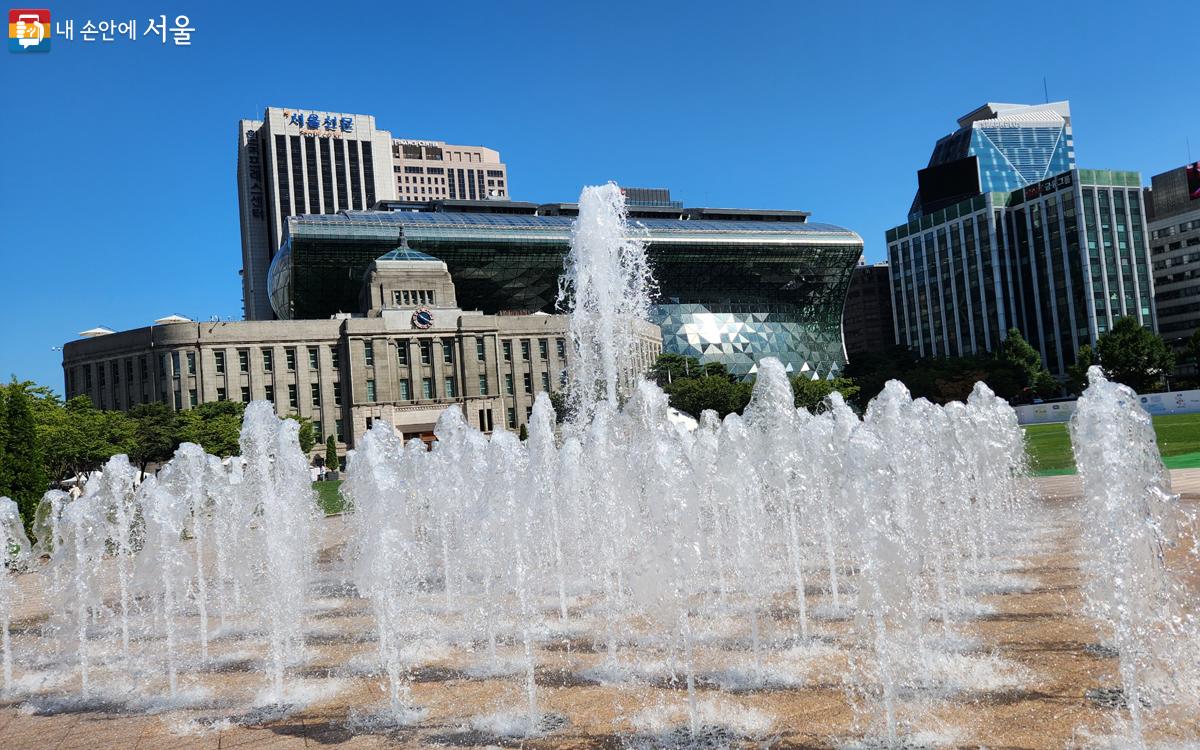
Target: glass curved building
(733,286)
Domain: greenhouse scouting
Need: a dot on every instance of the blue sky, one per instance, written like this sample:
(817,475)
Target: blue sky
(118,184)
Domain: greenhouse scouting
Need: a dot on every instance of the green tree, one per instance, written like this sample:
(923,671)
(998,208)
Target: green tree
(331,456)
(1193,349)
(308,433)
(214,426)
(558,399)
(670,367)
(716,392)
(155,434)
(523,433)
(1016,351)
(1134,355)
(811,394)
(1077,373)
(23,467)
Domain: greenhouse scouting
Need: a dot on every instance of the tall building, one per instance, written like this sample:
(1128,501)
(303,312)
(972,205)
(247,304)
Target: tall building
(867,318)
(294,162)
(735,285)
(408,352)
(1059,255)
(1175,249)
(433,170)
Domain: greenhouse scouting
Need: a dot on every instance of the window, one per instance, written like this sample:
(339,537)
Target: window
(426,351)
(508,383)
(313,358)
(334,359)
(269,393)
(546,382)
(339,432)
(369,353)
(318,433)
(512,417)
(544,349)
(427,388)
(402,352)
(220,359)
(562,348)
(193,399)
(337,394)
(448,352)
(174,367)
(405,395)
(396,298)
(508,351)
(243,360)
(290,355)
(483,391)
(220,394)
(178,400)
(479,349)
(371,390)
(525,349)
(451,387)
(268,360)
(191,363)
(528,383)
(315,391)
(293,401)
(245,394)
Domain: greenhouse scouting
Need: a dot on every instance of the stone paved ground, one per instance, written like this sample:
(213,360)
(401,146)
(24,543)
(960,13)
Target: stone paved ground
(1037,626)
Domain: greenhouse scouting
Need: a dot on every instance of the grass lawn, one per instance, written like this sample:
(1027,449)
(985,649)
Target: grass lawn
(329,496)
(1049,445)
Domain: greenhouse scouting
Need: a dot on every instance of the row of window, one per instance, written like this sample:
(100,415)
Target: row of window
(1186,226)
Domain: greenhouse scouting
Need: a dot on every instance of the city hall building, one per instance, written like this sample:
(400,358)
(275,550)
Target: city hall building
(407,352)
(734,285)
(304,161)
(1006,232)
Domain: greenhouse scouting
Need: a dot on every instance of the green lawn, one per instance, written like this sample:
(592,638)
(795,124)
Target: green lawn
(1049,445)
(329,496)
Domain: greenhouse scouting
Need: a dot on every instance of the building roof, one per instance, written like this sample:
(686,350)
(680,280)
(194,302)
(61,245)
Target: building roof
(403,253)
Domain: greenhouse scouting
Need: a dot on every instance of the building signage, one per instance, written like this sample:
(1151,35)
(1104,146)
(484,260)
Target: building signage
(318,124)
(1048,186)
(408,142)
(253,162)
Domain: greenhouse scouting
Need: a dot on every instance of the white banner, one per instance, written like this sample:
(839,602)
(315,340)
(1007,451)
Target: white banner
(1171,402)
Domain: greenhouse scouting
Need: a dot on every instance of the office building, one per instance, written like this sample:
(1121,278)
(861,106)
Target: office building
(1060,257)
(300,161)
(408,353)
(1174,203)
(867,316)
(735,285)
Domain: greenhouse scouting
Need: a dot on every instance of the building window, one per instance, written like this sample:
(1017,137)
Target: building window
(313,358)
(144,368)
(451,387)
(338,435)
(427,388)
(220,359)
(528,383)
(268,358)
(546,382)
(402,352)
(269,393)
(174,367)
(544,349)
(337,394)
(512,418)
(315,389)
(243,360)
(162,369)
(371,391)
(405,395)
(293,401)
(525,349)
(334,359)
(178,400)
(426,351)
(369,353)
(562,348)
(483,391)
(220,394)
(508,383)
(290,355)
(191,363)
(318,432)
(508,351)
(448,352)
(479,349)
(245,394)
(193,399)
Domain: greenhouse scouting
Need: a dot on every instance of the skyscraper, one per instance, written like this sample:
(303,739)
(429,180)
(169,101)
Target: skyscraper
(1175,247)
(1006,232)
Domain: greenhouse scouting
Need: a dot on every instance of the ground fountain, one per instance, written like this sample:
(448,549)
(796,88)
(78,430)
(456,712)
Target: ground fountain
(689,583)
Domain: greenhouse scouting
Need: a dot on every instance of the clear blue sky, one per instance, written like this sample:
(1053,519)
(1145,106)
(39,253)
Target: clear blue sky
(118,184)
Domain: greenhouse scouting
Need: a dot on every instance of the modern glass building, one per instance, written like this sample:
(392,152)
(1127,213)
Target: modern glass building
(1060,260)
(734,286)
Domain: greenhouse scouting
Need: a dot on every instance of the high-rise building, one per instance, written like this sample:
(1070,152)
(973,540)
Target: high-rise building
(1175,249)
(998,239)
(295,162)
(433,170)
(867,317)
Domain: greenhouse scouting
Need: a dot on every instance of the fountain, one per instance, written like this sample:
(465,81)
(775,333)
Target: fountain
(14,553)
(666,573)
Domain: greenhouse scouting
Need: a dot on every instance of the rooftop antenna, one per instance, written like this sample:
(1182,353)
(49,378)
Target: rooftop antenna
(1045,90)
